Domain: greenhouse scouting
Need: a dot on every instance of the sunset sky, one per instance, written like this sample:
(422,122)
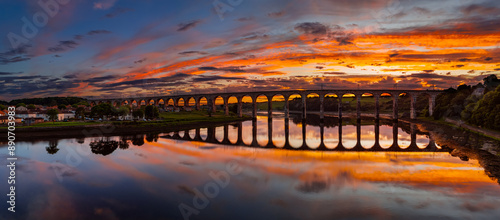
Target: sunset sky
(128,48)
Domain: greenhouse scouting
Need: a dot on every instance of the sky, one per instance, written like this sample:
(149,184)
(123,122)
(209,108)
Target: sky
(125,48)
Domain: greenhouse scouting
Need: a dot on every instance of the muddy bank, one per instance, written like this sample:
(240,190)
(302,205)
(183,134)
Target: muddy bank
(99,130)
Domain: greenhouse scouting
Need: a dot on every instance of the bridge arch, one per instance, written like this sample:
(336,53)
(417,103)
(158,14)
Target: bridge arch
(219,134)
(331,137)
(204,134)
(232,134)
(262,98)
(179,102)
(201,102)
(367,136)
(313,137)
(349,136)
(170,102)
(191,101)
(296,102)
(134,103)
(192,134)
(422,141)
(330,102)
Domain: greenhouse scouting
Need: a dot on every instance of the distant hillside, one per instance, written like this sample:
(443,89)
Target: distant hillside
(49,101)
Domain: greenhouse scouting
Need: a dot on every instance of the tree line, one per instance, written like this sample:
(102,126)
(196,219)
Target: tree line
(465,103)
(48,101)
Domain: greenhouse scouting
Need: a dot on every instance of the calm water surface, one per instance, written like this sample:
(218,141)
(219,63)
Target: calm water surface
(363,170)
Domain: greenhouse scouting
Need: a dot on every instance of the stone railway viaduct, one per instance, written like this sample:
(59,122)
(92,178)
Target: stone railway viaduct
(155,100)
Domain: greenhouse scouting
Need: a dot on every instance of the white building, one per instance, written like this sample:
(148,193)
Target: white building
(60,117)
(25,114)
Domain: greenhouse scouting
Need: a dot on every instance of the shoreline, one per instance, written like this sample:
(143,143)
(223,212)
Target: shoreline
(113,129)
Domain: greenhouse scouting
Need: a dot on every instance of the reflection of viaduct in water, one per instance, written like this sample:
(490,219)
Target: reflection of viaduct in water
(211,138)
(210,98)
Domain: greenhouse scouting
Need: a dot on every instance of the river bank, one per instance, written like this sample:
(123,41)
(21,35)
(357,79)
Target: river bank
(168,122)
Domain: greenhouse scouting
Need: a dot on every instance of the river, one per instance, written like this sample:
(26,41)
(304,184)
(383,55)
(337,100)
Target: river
(361,170)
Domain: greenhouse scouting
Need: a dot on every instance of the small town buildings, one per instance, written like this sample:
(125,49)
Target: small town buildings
(26,114)
(5,120)
(32,121)
(3,113)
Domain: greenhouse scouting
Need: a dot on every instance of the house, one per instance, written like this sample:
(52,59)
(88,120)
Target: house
(65,115)
(21,108)
(5,120)
(2,113)
(32,121)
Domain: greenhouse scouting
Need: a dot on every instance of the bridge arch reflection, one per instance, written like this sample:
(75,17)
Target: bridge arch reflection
(257,133)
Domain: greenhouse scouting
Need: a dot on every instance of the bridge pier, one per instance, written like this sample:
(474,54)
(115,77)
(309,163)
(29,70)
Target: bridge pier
(321,107)
(339,145)
(413,110)
(395,106)
(304,105)
(240,107)
(240,133)
(304,132)
(286,107)
(377,106)
(270,132)
(395,128)
(226,106)
(377,133)
(254,133)
(270,107)
(198,104)
(432,103)
(287,132)
(254,107)
(340,106)
(358,106)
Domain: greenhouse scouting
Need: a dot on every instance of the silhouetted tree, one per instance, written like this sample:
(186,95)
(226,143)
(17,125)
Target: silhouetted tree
(152,137)
(52,148)
(61,107)
(138,140)
(151,112)
(52,113)
(103,109)
(31,106)
(138,113)
(123,144)
(103,147)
